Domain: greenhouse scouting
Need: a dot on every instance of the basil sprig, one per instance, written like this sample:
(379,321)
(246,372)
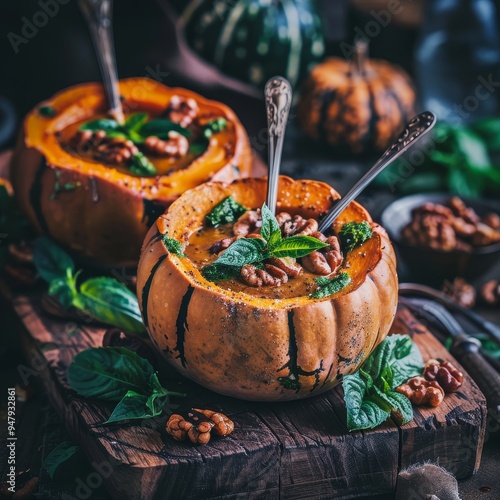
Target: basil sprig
(104,299)
(256,250)
(369,393)
(118,374)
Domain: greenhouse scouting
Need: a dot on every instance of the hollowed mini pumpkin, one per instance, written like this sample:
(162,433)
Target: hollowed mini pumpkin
(97,206)
(357,106)
(239,343)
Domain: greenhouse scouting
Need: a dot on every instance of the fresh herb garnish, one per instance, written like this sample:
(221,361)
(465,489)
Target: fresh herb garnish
(140,165)
(60,187)
(173,246)
(354,234)
(60,454)
(106,124)
(214,127)
(228,210)
(255,250)
(160,127)
(369,393)
(329,286)
(104,299)
(47,111)
(119,375)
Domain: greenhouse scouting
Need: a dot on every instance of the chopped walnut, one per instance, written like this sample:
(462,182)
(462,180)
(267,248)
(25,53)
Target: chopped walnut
(422,392)
(299,226)
(444,373)
(176,146)
(316,263)
(485,235)
(198,425)
(182,110)
(460,291)
(461,210)
(333,254)
(85,141)
(220,245)
(287,264)
(490,292)
(269,276)
(283,217)
(491,219)
(248,223)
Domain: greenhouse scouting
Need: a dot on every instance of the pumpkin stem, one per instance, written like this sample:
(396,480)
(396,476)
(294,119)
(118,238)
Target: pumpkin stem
(359,57)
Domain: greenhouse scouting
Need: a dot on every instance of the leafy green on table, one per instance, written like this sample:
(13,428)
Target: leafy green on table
(228,210)
(354,234)
(462,159)
(369,393)
(104,299)
(255,250)
(329,286)
(60,454)
(117,374)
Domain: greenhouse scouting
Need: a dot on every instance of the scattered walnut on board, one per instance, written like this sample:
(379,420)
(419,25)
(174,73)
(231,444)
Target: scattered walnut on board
(444,373)
(422,392)
(490,292)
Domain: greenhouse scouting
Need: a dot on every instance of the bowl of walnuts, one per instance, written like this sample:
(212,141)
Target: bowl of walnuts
(439,236)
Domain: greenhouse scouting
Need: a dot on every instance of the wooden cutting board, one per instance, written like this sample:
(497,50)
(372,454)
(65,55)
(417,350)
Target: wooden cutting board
(294,450)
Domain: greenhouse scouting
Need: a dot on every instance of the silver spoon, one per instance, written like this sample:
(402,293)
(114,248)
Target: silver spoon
(98,14)
(278,93)
(414,131)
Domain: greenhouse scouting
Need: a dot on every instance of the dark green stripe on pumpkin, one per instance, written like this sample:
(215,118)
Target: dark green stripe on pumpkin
(368,140)
(326,98)
(181,324)
(146,289)
(399,104)
(35,196)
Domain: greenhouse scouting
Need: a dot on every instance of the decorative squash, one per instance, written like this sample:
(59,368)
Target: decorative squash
(358,106)
(254,40)
(99,211)
(266,349)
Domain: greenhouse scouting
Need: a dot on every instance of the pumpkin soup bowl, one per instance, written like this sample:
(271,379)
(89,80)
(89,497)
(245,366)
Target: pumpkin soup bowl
(99,211)
(263,349)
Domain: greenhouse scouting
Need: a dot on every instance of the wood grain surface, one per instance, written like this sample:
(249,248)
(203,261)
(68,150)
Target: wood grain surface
(294,450)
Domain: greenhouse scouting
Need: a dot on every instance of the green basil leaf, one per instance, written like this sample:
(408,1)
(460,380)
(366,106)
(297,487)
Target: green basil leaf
(243,251)
(401,408)
(362,412)
(110,301)
(270,227)
(105,124)
(51,261)
(135,406)
(489,130)
(160,127)
(173,246)
(47,111)
(198,148)
(108,373)
(219,272)
(65,290)
(228,210)
(116,134)
(59,455)
(296,246)
(329,286)
(214,127)
(354,234)
(135,121)
(140,165)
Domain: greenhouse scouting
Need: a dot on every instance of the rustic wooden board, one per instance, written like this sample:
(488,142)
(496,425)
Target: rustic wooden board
(294,450)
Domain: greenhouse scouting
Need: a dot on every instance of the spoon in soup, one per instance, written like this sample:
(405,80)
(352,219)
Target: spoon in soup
(278,93)
(99,15)
(414,131)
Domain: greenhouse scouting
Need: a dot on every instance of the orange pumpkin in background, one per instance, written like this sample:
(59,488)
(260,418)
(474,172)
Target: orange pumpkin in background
(357,106)
(100,211)
(263,348)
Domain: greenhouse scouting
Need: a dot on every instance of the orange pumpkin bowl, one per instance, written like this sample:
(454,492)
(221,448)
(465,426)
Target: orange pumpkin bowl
(107,212)
(264,349)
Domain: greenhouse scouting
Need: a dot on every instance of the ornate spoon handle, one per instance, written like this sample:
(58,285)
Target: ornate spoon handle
(278,93)
(413,132)
(98,14)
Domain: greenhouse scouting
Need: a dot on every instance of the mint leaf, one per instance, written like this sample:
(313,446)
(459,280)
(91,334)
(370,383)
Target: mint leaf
(134,122)
(140,165)
(329,286)
(354,234)
(50,260)
(296,246)
(173,246)
(243,251)
(401,408)
(106,124)
(228,210)
(270,227)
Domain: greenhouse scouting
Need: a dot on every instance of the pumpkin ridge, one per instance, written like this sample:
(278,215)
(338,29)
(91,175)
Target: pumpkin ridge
(181,324)
(35,196)
(147,287)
